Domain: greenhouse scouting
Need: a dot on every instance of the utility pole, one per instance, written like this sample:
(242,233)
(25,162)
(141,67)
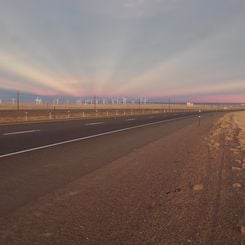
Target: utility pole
(54,113)
(139,104)
(18,100)
(169,104)
(95,106)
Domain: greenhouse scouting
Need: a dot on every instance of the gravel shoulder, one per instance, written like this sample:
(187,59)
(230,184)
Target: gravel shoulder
(185,188)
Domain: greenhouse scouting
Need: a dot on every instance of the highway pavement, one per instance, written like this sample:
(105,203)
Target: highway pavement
(28,175)
(151,179)
(26,136)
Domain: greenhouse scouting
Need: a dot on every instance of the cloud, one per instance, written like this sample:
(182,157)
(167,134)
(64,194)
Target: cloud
(146,8)
(86,47)
(133,9)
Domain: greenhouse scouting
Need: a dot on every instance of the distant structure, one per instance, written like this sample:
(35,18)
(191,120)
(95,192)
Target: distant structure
(79,101)
(124,100)
(38,101)
(57,101)
(189,104)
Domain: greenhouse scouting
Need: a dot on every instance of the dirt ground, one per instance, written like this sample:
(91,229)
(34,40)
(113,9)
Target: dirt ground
(186,188)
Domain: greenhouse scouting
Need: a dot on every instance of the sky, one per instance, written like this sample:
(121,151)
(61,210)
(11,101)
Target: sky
(183,49)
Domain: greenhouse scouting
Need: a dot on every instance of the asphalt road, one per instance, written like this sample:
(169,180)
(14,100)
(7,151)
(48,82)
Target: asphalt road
(142,180)
(19,137)
(27,176)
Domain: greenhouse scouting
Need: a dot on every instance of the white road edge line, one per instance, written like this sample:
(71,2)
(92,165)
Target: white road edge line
(22,132)
(95,123)
(130,119)
(91,136)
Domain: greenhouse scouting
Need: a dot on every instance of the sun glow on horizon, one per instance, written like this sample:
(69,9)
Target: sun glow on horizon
(137,48)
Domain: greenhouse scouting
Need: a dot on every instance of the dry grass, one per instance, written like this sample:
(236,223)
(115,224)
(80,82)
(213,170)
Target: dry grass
(47,112)
(239,119)
(32,106)
(49,115)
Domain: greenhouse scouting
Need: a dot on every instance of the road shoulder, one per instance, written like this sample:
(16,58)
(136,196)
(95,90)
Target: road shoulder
(178,189)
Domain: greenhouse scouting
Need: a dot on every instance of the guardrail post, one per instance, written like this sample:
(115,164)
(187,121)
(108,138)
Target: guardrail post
(54,113)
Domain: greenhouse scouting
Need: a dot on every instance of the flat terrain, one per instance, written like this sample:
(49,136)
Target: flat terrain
(170,181)
(29,116)
(100,106)
(47,112)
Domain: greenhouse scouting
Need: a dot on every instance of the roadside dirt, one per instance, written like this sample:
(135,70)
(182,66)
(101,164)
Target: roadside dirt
(186,188)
